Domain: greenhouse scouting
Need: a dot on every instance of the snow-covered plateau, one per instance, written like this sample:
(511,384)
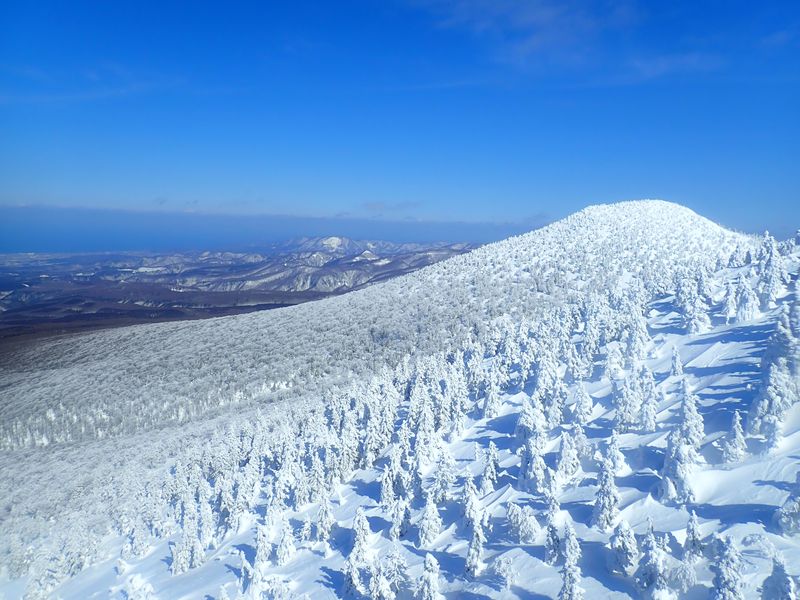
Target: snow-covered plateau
(606,407)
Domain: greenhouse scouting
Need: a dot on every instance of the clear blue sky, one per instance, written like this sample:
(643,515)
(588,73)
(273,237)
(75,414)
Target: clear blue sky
(419,110)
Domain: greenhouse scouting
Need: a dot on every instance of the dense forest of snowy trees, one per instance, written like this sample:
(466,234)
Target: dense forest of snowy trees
(390,394)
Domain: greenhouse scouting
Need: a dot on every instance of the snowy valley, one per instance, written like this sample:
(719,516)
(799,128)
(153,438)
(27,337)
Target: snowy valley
(606,407)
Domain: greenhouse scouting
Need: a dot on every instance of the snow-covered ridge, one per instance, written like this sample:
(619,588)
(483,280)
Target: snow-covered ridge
(132,379)
(495,331)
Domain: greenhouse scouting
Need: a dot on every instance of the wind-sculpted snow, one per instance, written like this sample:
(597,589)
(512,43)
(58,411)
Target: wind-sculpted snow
(128,380)
(503,422)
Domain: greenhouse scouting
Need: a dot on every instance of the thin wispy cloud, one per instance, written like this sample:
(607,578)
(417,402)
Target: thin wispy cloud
(102,81)
(538,31)
(658,66)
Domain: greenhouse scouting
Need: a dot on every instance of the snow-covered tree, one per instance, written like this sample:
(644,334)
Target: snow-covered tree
(648,413)
(304,535)
(606,501)
(490,469)
(727,572)
(778,585)
(263,549)
(522,522)
(286,547)
(730,304)
(361,536)
(531,421)
(788,515)
(325,520)
(625,551)
(400,514)
(679,463)
(747,302)
(443,477)
(583,405)
(734,447)
(491,404)
(395,568)
(380,587)
(428,587)
(504,569)
(613,363)
(475,550)
(353,580)
(568,462)
(613,453)
(692,545)
(677,364)
(692,426)
(430,524)
(552,543)
(571,572)
(651,576)
(532,468)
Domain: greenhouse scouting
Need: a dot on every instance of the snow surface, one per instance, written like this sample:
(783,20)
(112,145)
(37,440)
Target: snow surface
(94,423)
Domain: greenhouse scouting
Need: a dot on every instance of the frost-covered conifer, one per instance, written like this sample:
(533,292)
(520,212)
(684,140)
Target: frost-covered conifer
(491,466)
(778,585)
(304,535)
(583,405)
(678,465)
(625,551)
(400,514)
(613,363)
(614,454)
(475,550)
(430,524)
(626,406)
(395,568)
(777,394)
(692,545)
(286,549)
(731,305)
(263,549)
(361,535)
(325,520)
(555,405)
(428,587)
(747,301)
(677,364)
(727,572)
(491,404)
(692,427)
(523,525)
(380,587)
(552,544)
(471,505)
(648,412)
(581,442)
(734,447)
(606,501)
(568,462)
(353,581)
(651,576)
(504,568)
(532,468)
(788,515)
(571,572)
(444,476)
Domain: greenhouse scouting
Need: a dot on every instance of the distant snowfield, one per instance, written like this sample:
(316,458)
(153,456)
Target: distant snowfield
(182,460)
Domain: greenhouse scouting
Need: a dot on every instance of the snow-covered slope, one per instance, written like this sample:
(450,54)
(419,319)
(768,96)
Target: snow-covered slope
(202,445)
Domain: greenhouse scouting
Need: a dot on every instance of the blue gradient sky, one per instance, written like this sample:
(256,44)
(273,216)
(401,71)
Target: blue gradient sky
(421,110)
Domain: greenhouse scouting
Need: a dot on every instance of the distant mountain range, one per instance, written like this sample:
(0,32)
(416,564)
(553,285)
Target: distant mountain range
(67,292)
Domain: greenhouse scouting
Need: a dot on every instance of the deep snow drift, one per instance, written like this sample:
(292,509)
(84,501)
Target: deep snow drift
(503,423)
